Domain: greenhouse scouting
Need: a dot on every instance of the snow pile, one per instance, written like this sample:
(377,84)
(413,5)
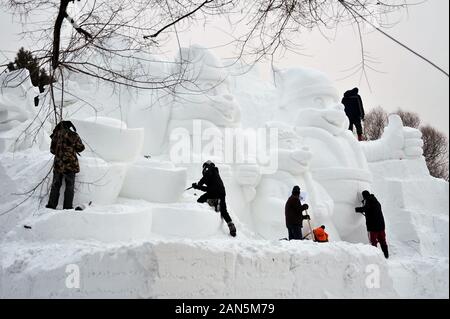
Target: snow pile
(195,269)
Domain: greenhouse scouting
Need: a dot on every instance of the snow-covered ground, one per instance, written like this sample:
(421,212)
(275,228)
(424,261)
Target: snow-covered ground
(145,237)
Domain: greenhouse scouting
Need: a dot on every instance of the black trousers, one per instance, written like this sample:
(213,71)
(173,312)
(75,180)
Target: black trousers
(357,124)
(222,205)
(295,232)
(56,186)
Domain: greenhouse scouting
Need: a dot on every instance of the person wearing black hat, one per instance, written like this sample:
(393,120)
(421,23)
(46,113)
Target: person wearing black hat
(374,221)
(214,189)
(65,145)
(354,110)
(294,215)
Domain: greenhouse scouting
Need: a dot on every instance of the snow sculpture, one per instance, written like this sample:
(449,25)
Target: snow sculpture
(203,105)
(273,190)
(310,103)
(206,95)
(19,125)
(153,182)
(98,181)
(339,163)
(103,165)
(397,142)
(110,139)
(185,222)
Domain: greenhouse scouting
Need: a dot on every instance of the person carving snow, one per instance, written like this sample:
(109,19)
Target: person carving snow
(294,215)
(65,145)
(374,221)
(320,234)
(214,192)
(354,110)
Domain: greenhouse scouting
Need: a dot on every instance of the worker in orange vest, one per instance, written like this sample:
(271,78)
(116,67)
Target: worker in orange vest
(320,235)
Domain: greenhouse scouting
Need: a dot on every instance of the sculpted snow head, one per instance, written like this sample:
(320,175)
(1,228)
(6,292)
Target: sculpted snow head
(205,92)
(308,98)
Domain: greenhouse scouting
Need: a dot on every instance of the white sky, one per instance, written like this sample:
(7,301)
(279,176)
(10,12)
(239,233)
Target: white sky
(408,83)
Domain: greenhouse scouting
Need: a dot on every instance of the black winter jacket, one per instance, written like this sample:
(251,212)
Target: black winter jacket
(293,211)
(353,105)
(213,182)
(373,213)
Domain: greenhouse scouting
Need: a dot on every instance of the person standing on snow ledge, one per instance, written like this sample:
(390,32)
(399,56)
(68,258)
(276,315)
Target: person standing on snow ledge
(65,145)
(214,192)
(374,221)
(294,215)
(354,110)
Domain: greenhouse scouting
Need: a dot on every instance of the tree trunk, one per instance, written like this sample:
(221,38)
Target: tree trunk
(57,32)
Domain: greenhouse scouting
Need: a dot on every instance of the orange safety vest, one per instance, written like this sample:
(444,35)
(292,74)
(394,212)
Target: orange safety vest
(320,235)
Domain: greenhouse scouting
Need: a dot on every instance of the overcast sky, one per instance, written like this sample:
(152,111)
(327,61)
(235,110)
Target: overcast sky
(408,82)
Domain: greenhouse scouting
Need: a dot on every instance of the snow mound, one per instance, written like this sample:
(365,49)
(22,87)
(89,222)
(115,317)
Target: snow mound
(194,269)
(76,225)
(185,222)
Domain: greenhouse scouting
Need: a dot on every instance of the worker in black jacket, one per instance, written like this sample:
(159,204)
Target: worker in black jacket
(374,221)
(294,214)
(354,110)
(212,185)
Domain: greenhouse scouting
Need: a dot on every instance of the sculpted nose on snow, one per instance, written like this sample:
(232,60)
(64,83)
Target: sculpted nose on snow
(330,120)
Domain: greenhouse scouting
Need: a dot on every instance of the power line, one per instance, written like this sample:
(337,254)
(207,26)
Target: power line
(394,39)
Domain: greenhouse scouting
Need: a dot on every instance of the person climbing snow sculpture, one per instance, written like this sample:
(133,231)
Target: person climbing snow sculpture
(320,234)
(65,145)
(354,110)
(294,215)
(214,193)
(371,209)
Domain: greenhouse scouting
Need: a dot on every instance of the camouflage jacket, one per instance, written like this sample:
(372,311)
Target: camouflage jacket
(65,146)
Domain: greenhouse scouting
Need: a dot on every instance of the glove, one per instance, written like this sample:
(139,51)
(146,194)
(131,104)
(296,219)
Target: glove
(307,217)
(194,186)
(305,206)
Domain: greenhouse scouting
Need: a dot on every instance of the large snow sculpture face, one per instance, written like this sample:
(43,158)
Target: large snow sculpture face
(206,94)
(310,102)
(309,99)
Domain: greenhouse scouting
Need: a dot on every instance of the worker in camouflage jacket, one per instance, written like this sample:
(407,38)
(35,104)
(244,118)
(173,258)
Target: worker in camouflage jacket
(65,145)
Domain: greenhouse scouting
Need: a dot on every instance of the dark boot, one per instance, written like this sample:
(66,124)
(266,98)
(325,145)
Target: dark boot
(232,229)
(360,137)
(384,248)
